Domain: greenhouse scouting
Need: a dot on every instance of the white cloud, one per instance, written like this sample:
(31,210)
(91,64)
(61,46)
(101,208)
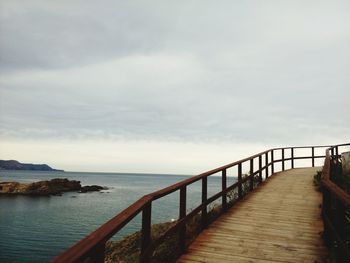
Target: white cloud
(256,72)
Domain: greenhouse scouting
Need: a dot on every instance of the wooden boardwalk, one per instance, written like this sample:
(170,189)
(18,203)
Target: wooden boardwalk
(278,222)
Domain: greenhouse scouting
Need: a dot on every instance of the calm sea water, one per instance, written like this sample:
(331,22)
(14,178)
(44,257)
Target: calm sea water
(35,229)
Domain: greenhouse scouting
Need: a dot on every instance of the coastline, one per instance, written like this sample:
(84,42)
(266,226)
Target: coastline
(49,225)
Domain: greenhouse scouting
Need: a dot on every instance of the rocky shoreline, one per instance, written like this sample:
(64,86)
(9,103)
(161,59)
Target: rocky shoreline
(55,186)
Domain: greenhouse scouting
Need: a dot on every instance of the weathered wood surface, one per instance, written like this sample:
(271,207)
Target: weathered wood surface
(278,222)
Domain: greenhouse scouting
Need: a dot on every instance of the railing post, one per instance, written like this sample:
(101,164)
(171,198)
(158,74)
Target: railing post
(336,151)
(313,156)
(332,153)
(292,157)
(182,214)
(224,186)
(146,230)
(336,154)
(251,181)
(266,165)
(283,159)
(272,163)
(204,200)
(240,194)
(260,166)
(332,160)
(99,253)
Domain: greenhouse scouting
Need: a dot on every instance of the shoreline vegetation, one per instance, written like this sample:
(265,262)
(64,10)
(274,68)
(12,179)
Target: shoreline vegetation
(340,175)
(55,186)
(127,250)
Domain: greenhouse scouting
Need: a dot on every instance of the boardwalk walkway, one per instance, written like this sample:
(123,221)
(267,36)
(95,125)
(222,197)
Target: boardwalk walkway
(278,222)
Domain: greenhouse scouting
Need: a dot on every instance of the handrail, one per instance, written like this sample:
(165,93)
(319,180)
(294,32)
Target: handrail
(91,248)
(326,180)
(335,208)
(103,233)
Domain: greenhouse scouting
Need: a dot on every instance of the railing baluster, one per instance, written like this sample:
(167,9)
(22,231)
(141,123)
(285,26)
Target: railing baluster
(224,185)
(336,154)
(251,181)
(240,181)
(313,156)
(272,163)
(260,166)
(266,165)
(182,212)
(204,199)
(336,151)
(332,160)
(283,159)
(292,157)
(146,230)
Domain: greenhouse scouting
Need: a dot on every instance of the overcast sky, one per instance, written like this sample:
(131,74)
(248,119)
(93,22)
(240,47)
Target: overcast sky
(170,86)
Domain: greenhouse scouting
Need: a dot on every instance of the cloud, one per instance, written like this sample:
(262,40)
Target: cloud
(131,156)
(255,72)
(50,35)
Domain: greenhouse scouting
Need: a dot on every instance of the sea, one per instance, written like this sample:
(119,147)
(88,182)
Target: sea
(37,229)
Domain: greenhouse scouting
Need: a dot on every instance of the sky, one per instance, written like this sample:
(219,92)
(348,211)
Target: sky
(170,86)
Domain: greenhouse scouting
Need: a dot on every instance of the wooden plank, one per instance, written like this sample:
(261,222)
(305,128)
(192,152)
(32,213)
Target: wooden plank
(280,238)
(227,256)
(278,222)
(253,238)
(223,258)
(257,244)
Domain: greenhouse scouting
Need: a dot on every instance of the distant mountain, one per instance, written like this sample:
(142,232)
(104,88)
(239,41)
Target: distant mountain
(15,165)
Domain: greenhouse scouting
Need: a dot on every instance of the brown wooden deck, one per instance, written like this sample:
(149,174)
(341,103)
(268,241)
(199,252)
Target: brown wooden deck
(278,222)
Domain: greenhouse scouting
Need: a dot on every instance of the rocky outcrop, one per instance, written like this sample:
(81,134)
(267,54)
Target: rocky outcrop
(53,187)
(91,188)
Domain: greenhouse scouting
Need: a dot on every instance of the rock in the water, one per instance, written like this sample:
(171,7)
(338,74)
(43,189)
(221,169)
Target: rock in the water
(52,187)
(91,188)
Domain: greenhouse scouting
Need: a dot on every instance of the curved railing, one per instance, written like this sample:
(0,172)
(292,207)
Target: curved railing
(336,206)
(92,247)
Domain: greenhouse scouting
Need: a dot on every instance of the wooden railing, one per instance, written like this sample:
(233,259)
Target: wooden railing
(336,206)
(92,247)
